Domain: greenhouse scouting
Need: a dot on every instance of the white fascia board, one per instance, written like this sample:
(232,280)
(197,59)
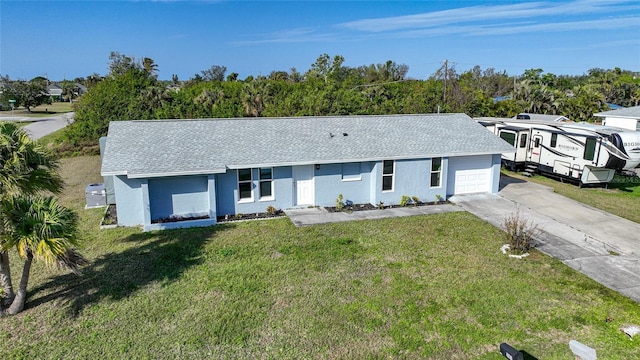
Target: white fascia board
(339,161)
(178,173)
(112,173)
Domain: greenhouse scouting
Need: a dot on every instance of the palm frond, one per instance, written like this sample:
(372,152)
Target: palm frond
(72,260)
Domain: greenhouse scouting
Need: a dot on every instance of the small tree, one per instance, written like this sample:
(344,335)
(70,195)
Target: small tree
(339,202)
(520,232)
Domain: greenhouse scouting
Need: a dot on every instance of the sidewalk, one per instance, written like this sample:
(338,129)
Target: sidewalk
(316,216)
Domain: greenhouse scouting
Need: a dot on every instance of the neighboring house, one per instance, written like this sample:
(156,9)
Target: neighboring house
(216,167)
(625,118)
(80,89)
(55,91)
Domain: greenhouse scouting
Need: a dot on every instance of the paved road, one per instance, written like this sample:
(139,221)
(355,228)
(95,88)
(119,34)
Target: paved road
(46,126)
(43,126)
(602,246)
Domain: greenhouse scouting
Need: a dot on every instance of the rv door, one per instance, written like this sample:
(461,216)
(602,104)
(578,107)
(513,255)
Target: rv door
(536,149)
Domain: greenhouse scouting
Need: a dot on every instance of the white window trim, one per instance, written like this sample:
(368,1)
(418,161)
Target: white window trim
(431,172)
(393,177)
(266,198)
(245,200)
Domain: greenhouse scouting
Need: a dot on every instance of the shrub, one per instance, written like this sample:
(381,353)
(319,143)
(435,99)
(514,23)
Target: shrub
(405,200)
(415,200)
(381,205)
(339,202)
(520,232)
(271,210)
(439,197)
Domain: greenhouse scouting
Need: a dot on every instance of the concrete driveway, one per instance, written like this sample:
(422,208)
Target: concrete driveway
(602,246)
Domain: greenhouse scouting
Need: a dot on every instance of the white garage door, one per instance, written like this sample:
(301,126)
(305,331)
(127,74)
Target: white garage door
(469,174)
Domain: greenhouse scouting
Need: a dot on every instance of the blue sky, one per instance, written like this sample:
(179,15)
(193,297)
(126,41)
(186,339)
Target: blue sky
(68,39)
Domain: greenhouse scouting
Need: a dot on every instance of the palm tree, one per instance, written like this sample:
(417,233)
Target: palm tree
(253,96)
(25,168)
(39,228)
(150,67)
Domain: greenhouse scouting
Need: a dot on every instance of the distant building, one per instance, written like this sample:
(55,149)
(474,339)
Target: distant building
(55,91)
(625,118)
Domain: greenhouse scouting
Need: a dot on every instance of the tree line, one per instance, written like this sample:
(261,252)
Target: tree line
(131,90)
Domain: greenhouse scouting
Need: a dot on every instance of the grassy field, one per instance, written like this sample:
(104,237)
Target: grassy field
(44,110)
(621,197)
(433,287)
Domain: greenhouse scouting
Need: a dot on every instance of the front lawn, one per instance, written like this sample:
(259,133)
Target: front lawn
(419,287)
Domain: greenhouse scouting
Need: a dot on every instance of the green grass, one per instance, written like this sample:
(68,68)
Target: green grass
(44,110)
(432,287)
(621,197)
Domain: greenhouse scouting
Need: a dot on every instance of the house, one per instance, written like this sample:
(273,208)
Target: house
(55,91)
(625,118)
(201,169)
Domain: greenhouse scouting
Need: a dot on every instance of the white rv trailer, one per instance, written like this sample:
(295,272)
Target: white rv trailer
(588,154)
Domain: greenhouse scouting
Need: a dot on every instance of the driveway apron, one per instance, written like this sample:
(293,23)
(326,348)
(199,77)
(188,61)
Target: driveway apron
(602,246)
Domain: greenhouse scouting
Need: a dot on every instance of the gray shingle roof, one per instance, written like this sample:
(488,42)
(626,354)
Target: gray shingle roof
(178,147)
(630,112)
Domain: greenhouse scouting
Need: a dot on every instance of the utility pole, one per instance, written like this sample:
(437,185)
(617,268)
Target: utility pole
(446,70)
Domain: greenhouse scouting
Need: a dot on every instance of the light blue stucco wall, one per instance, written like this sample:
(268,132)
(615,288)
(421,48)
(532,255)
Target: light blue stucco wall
(496,160)
(329,184)
(129,200)
(411,178)
(227,192)
(142,200)
(178,196)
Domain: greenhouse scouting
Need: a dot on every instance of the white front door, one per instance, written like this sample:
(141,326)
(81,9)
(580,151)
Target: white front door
(304,185)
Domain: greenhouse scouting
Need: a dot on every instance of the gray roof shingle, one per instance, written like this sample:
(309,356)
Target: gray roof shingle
(630,112)
(149,148)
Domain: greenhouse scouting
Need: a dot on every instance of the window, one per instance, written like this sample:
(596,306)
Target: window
(245,182)
(351,172)
(508,137)
(523,140)
(554,140)
(537,142)
(436,171)
(266,183)
(590,149)
(387,175)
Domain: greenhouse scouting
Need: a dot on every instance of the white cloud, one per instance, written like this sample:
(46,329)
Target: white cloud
(483,13)
(478,20)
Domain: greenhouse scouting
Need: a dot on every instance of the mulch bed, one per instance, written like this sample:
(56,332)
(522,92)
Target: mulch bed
(178,218)
(251,216)
(110,216)
(363,207)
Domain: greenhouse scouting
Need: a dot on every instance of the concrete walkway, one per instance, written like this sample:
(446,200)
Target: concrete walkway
(316,216)
(602,246)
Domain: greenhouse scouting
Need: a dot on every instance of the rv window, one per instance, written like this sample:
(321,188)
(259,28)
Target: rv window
(523,140)
(508,137)
(537,142)
(590,149)
(554,140)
